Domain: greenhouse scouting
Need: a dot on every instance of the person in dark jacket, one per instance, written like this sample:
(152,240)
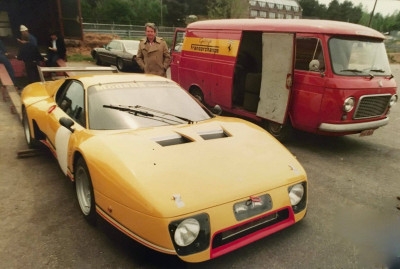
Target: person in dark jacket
(56,49)
(30,55)
(7,64)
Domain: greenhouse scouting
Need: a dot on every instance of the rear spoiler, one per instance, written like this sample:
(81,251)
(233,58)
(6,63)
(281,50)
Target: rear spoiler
(66,70)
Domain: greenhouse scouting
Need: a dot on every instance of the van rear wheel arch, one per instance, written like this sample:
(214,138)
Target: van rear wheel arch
(282,132)
(197,93)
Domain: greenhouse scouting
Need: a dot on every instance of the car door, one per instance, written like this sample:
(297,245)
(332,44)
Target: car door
(70,104)
(113,49)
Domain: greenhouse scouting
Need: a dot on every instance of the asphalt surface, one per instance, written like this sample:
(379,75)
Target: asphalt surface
(352,220)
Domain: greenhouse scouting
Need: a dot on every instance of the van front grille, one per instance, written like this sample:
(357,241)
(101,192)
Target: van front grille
(371,106)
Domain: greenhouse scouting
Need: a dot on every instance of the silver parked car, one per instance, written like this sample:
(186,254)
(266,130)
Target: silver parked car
(121,53)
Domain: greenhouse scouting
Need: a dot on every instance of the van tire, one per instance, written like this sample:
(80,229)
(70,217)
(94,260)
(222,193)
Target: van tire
(282,132)
(198,94)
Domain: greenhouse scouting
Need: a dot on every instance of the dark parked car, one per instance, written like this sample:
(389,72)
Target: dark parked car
(121,53)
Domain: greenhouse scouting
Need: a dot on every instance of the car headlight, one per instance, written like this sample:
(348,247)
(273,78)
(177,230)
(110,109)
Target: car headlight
(296,193)
(393,100)
(190,235)
(298,196)
(186,232)
(348,104)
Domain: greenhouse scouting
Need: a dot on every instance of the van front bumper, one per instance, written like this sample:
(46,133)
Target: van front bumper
(352,127)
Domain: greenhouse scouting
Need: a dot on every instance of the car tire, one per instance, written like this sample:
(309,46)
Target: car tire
(84,191)
(27,131)
(120,64)
(97,59)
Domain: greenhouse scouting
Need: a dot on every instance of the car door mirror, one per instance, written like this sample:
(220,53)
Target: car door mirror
(67,123)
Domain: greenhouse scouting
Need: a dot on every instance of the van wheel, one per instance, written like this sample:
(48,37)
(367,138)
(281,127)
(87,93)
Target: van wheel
(282,132)
(198,94)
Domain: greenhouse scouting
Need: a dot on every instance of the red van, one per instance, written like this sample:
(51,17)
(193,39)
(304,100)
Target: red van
(323,77)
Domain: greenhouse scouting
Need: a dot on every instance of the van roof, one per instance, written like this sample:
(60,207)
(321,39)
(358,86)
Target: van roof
(288,25)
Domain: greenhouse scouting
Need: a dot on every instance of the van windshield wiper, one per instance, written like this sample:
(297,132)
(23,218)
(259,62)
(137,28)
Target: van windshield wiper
(351,70)
(377,70)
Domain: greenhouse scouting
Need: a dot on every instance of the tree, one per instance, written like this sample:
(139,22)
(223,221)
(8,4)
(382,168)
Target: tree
(226,9)
(312,9)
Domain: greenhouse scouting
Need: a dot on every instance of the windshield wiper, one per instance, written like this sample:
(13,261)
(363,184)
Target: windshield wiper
(130,110)
(377,70)
(138,111)
(164,113)
(351,70)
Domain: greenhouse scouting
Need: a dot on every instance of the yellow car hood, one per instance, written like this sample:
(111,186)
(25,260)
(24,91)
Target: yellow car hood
(170,171)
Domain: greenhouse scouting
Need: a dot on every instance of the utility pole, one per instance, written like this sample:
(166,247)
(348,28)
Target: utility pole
(372,14)
(161,23)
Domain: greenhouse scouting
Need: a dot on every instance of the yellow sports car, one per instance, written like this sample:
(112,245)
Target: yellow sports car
(152,161)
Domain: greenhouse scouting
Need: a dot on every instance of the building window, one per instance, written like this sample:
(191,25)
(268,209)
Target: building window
(261,3)
(279,6)
(289,16)
(253,13)
(263,14)
(271,5)
(281,16)
(272,15)
(252,3)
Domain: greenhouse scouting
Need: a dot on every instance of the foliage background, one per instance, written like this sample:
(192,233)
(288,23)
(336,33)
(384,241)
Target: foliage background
(175,13)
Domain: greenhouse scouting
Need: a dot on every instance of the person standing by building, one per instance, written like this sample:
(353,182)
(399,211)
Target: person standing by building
(25,33)
(153,56)
(7,64)
(30,55)
(56,49)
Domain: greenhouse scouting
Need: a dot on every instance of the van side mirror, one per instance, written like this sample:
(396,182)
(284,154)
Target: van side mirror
(314,65)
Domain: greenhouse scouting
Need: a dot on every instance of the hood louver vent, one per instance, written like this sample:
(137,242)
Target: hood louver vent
(172,140)
(214,134)
(177,139)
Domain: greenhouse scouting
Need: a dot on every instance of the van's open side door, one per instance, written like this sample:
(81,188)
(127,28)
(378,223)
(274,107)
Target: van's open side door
(277,75)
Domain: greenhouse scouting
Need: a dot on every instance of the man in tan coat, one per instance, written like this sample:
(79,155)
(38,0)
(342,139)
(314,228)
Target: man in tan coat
(153,56)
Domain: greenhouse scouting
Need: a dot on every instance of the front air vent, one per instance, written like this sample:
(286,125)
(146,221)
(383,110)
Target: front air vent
(213,134)
(172,140)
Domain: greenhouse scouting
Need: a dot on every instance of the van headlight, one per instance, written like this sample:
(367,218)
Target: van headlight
(348,104)
(190,235)
(393,100)
(298,196)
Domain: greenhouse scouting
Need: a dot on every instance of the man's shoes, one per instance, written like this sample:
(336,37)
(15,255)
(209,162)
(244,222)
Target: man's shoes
(398,198)
(398,206)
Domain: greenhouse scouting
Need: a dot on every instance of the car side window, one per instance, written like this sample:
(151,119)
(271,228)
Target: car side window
(118,46)
(72,102)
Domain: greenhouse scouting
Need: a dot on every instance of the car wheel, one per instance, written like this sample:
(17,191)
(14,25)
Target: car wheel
(97,59)
(120,64)
(198,94)
(84,191)
(27,131)
(281,132)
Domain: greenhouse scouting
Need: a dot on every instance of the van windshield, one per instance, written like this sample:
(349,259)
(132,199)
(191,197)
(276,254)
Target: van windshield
(350,57)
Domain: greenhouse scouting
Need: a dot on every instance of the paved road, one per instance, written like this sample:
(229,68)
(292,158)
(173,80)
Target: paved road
(351,223)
